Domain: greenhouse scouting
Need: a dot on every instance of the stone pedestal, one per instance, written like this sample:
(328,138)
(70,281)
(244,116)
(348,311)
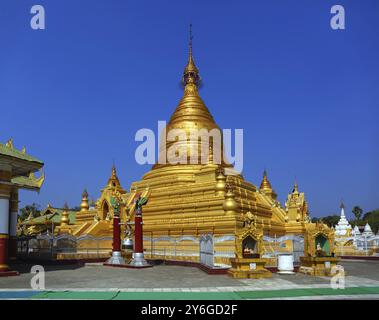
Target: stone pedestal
(318,266)
(285,264)
(249,268)
(115,259)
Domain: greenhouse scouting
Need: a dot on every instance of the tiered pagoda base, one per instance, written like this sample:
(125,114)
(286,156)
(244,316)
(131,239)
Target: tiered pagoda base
(318,266)
(249,268)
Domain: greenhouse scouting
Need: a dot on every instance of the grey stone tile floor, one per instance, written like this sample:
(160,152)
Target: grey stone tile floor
(179,278)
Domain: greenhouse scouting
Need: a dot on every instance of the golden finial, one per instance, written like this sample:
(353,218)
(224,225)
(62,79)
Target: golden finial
(23,150)
(191,73)
(85,194)
(295,187)
(84,205)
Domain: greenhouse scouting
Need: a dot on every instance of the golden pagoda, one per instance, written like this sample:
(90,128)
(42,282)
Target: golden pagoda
(190,202)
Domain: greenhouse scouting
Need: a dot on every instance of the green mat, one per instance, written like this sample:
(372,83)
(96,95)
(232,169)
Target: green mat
(262,294)
(266,294)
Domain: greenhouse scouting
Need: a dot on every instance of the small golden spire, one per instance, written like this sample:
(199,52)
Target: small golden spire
(84,205)
(113,180)
(295,188)
(65,219)
(265,184)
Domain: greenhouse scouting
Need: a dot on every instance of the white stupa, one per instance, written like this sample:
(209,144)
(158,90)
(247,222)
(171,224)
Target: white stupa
(367,231)
(356,231)
(343,228)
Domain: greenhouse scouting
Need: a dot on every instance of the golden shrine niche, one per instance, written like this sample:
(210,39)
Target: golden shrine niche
(319,258)
(249,249)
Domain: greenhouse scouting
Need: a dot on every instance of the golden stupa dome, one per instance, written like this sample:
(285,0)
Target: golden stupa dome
(191,114)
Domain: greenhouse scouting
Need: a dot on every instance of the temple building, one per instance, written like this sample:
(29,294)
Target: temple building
(17,170)
(48,220)
(193,201)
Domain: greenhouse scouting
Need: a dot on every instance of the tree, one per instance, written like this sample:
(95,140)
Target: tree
(331,220)
(357,211)
(372,217)
(33,209)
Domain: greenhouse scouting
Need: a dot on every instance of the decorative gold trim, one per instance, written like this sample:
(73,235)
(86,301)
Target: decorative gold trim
(4,236)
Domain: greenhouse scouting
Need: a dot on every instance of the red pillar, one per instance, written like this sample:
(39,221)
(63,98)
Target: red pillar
(138,232)
(116,233)
(3,253)
(4,223)
(138,260)
(116,258)
(4,227)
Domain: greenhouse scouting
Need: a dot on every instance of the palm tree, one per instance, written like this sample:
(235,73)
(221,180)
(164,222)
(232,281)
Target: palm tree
(357,211)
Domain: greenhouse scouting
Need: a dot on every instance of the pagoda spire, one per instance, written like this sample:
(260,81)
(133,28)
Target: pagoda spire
(295,187)
(113,180)
(191,73)
(265,184)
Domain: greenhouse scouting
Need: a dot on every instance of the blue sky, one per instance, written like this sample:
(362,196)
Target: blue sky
(306,96)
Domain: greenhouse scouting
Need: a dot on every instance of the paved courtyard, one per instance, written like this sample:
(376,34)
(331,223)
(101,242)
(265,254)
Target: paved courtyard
(362,281)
